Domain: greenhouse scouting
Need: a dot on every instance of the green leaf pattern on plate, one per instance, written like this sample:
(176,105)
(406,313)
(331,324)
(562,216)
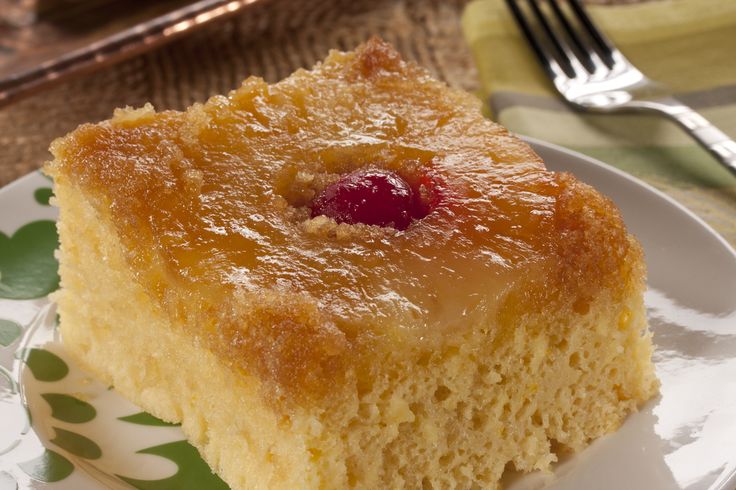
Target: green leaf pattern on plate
(43,195)
(77,444)
(9,332)
(193,473)
(45,365)
(49,467)
(145,418)
(69,409)
(28,268)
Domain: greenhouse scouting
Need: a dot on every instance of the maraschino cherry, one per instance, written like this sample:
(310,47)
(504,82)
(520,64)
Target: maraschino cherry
(372,197)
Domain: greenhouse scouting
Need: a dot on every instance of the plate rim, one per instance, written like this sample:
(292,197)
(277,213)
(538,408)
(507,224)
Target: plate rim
(533,142)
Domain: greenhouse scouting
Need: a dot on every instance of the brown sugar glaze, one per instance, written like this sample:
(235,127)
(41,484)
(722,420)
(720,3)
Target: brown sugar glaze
(212,205)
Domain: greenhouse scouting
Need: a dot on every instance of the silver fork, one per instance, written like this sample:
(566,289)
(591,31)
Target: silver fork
(591,74)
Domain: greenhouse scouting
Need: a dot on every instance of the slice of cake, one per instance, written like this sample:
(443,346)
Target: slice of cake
(349,279)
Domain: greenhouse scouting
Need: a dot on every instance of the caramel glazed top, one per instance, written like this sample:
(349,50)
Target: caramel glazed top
(212,206)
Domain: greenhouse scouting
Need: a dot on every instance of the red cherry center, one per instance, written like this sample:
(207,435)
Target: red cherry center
(372,197)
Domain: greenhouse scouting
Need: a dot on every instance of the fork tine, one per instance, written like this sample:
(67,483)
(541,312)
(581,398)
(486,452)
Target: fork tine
(587,54)
(574,37)
(605,47)
(569,58)
(541,48)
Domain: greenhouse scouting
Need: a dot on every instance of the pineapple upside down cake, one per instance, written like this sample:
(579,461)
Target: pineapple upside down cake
(349,279)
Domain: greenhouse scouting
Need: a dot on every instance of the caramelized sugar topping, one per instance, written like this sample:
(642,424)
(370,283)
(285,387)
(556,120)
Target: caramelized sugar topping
(213,205)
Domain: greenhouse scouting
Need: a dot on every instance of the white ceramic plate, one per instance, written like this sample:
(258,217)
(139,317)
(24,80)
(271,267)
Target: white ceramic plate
(83,436)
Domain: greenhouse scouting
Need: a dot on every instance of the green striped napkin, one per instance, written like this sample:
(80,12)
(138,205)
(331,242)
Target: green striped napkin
(688,45)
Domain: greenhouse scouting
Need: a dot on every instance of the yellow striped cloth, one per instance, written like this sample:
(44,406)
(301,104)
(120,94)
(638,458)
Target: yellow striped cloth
(688,45)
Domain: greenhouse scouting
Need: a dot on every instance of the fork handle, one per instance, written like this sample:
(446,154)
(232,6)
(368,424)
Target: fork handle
(718,143)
